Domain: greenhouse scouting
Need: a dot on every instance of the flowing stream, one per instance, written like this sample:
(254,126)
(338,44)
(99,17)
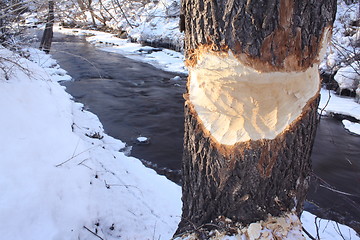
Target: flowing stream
(134,99)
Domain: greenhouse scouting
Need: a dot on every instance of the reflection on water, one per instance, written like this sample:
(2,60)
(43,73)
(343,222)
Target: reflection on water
(134,99)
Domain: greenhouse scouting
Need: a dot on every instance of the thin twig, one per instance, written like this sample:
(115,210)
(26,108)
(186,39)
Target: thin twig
(327,102)
(123,13)
(74,156)
(341,192)
(340,233)
(25,70)
(83,161)
(111,16)
(307,233)
(77,144)
(328,186)
(93,233)
(347,58)
(317,228)
(154,231)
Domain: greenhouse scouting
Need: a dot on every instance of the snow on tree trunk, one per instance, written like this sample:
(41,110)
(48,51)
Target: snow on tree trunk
(251,106)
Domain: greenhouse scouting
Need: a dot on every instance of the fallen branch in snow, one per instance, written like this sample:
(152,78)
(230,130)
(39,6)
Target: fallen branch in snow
(108,186)
(308,234)
(317,228)
(339,231)
(82,163)
(93,233)
(7,69)
(74,156)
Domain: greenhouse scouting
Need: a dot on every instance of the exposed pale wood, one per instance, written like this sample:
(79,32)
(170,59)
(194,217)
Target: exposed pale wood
(236,103)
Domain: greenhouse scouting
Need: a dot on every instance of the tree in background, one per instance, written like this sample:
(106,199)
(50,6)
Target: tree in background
(251,106)
(46,39)
(10,12)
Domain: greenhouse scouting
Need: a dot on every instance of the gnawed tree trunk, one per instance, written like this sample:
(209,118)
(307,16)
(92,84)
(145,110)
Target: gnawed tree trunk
(251,106)
(47,37)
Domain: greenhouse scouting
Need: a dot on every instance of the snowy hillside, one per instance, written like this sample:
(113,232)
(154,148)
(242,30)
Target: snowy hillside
(61,176)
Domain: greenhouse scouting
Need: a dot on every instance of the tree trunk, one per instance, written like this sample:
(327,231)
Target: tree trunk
(81,5)
(46,40)
(251,106)
(123,13)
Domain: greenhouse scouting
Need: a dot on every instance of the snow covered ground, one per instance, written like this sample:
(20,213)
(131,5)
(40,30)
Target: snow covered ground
(332,103)
(61,176)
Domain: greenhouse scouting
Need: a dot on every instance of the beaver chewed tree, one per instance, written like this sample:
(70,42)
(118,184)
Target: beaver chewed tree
(251,107)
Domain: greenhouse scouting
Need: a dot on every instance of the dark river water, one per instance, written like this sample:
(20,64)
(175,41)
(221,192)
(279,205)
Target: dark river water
(134,99)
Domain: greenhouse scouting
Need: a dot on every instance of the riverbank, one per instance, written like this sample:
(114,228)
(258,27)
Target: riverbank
(61,176)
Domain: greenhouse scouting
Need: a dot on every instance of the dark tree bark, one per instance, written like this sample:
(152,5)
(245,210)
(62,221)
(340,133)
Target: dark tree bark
(248,180)
(268,32)
(47,37)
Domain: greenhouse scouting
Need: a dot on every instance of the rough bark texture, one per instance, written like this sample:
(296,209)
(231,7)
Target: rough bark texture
(47,37)
(249,180)
(271,34)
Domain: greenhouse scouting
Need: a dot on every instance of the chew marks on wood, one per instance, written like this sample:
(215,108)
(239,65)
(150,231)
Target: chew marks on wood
(237,103)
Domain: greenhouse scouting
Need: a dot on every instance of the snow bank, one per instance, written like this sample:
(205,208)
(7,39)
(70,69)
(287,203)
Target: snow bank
(159,23)
(62,177)
(143,21)
(348,77)
(162,58)
(332,103)
(352,127)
